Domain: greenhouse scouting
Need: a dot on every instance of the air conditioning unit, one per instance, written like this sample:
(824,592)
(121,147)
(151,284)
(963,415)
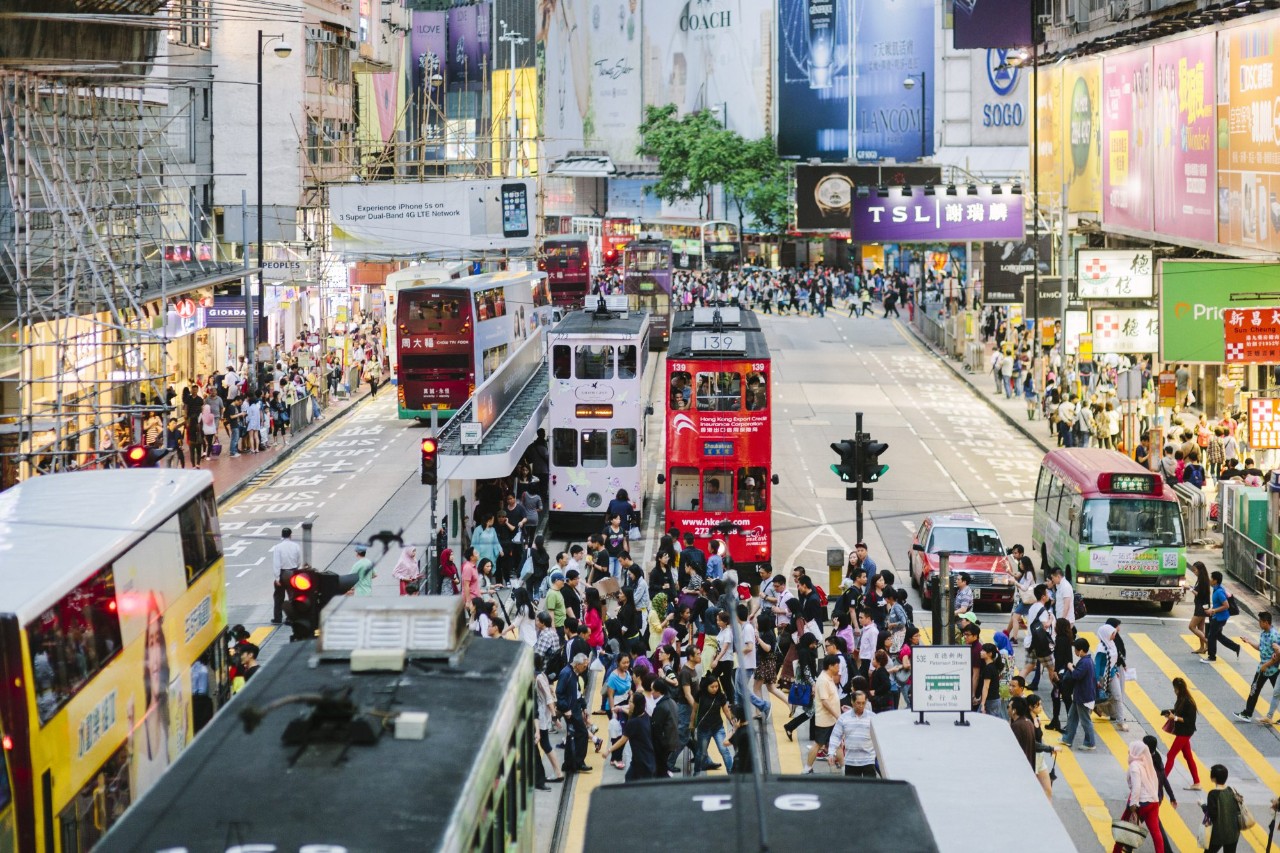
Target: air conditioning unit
(1117,10)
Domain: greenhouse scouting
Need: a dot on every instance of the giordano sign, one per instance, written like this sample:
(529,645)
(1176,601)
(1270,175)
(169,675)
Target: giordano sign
(1193,297)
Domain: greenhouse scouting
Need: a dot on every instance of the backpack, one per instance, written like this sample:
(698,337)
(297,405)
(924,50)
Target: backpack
(1194,474)
(1041,641)
(822,595)
(1080,610)
(1233,608)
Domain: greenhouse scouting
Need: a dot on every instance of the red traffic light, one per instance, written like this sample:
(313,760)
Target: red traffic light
(300,582)
(137,456)
(429,445)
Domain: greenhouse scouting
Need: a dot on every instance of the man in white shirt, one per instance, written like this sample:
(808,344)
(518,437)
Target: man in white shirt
(575,559)
(1064,606)
(853,732)
(1067,420)
(868,642)
(1042,612)
(231,381)
(286,556)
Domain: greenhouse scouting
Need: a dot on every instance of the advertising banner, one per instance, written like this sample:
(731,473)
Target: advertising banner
(814,79)
(991,23)
(1185,160)
(445,217)
(710,54)
(1047,304)
(916,217)
(615,114)
(566,60)
(428,44)
(999,112)
(1248,163)
(894,41)
(227,312)
(1005,264)
(1081,109)
(824,193)
(1194,296)
(1049,135)
(1125,330)
(1251,335)
(627,198)
(1264,423)
(1126,137)
(468,54)
(1115,273)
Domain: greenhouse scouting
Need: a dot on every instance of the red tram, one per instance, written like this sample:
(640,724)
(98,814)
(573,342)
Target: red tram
(719,436)
(567,263)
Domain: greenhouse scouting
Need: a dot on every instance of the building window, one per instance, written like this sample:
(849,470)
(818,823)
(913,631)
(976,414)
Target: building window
(329,54)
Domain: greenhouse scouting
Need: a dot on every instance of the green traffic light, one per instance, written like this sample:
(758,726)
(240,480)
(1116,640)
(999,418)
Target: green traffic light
(879,472)
(844,476)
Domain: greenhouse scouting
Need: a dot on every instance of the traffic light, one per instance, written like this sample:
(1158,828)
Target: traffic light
(302,602)
(849,460)
(138,456)
(429,449)
(869,459)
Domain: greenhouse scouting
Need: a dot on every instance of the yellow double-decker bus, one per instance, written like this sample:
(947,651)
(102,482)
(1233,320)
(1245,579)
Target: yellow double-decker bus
(112,615)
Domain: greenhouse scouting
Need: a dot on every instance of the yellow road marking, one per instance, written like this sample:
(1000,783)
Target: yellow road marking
(1091,804)
(259,635)
(1220,724)
(1229,675)
(583,786)
(789,759)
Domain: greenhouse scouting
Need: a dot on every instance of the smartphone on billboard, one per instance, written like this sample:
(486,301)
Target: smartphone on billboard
(515,210)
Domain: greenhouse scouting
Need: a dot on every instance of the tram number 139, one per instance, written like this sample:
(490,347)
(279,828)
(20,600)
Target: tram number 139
(722,342)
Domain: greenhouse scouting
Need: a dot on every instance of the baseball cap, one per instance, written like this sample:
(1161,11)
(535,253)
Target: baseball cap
(557,576)
(971,618)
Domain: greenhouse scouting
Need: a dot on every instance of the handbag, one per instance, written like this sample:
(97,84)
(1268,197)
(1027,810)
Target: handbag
(1127,833)
(1028,596)
(1246,817)
(633,533)
(800,695)
(1168,725)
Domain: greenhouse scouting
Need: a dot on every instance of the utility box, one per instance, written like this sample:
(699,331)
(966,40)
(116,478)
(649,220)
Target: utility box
(835,571)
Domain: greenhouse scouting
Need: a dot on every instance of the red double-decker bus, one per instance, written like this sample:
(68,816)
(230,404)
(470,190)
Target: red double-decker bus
(567,263)
(719,436)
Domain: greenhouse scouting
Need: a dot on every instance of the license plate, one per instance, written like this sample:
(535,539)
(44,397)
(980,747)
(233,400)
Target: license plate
(1135,594)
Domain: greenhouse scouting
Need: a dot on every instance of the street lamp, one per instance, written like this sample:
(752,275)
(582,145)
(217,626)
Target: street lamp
(282,50)
(909,84)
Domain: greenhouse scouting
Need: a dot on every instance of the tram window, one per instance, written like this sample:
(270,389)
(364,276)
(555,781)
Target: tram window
(594,362)
(560,361)
(681,391)
(719,392)
(752,496)
(595,448)
(623,447)
(717,490)
(627,362)
(564,447)
(757,392)
(683,491)
(492,359)
(201,537)
(434,310)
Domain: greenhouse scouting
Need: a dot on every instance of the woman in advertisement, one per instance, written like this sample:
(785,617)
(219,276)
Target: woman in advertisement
(149,741)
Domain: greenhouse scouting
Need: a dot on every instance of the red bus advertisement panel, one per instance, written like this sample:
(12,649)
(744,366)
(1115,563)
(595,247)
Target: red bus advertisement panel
(719,452)
(615,234)
(567,264)
(435,351)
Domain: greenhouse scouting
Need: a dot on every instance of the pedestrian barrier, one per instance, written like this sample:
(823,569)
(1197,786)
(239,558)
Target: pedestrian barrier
(1195,512)
(975,357)
(1250,563)
(300,415)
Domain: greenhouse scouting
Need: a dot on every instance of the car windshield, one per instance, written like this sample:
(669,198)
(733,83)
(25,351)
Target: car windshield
(1132,522)
(982,541)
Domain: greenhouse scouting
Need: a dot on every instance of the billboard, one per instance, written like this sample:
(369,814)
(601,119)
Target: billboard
(1252,335)
(894,41)
(999,112)
(627,198)
(443,217)
(913,217)
(1248,169)
(824,193)
(1125,330)
(814,81)
(428,44)
(1048,136)
(1005,264)
(591,77)
(468,43)
(711,54)
(1127,80)
(1115,273)
(991,23)
(1194,295)
(1184,156)
(1081,113)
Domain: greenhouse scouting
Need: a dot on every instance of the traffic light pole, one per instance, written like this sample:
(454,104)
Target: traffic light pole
(433,558)
(859,438)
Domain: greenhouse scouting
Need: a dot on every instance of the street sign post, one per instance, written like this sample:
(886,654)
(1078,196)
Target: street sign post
(941,682)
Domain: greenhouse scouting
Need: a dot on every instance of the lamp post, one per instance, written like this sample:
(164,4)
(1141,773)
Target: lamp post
(513,39)
(910,83)
(281,50)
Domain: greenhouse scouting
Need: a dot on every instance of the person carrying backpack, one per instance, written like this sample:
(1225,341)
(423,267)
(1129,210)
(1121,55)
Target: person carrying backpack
(1193,471)
(1219,610)
(1038,641)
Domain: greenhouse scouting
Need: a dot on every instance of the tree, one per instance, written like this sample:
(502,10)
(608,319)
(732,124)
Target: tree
(694,152)
(761,186)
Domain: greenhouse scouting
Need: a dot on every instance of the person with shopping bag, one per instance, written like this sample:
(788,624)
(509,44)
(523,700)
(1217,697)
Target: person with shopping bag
(1143,803)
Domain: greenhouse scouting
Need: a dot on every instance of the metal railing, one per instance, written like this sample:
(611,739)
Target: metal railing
(1250,563)
(1195,512)
(300,415)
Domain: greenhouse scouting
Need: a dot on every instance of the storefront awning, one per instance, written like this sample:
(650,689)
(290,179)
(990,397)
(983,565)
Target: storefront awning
(584,166)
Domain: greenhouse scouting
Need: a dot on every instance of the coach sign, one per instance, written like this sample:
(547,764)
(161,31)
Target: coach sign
(907,215)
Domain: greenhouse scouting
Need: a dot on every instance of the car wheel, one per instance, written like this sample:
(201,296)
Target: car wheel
(915,581)
(1166,606)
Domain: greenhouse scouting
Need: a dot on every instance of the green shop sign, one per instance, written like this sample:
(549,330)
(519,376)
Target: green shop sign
(1193,295)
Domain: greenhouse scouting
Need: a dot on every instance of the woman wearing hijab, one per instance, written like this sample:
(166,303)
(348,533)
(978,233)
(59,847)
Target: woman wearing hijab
(407,572)
(1109,643)
(1144,793)
(448,573)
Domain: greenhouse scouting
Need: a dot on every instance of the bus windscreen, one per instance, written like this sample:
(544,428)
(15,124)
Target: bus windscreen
(434,311)
(1131,522)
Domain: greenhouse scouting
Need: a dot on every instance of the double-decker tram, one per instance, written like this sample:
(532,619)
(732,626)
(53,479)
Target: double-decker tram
(417,275)
(646,280)
(606,238)
(596,412)
(718,432)
(567,264)
(112,651)
(453,335)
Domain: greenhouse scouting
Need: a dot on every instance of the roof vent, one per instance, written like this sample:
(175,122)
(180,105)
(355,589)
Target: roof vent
(420,626)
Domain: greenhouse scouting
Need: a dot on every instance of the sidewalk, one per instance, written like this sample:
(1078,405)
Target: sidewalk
(232,474)
(1014,412)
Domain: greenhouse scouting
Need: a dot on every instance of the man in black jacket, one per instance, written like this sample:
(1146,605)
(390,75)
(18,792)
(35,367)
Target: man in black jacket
(664,723)
(570,703)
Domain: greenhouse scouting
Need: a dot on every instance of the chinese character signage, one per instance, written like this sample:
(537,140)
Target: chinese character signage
(940,679)
(1126,138)
(1252,335)
(1248,159)
(1195,297)
(1264,423)
(1184,139)
(1116,273)
(906,217)
(1125,330)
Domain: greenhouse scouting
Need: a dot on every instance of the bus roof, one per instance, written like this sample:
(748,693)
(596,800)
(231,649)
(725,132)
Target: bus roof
(390,795)
(957,770)
(621,817)
(585,324)
(58,529)
(1083,465)
(429,273)
(484,281)
(683,330)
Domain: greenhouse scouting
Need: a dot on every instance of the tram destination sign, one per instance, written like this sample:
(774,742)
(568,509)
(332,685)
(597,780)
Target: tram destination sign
(941,679)
(726,342)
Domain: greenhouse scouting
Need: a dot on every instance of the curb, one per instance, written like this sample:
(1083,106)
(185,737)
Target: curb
(290,450)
